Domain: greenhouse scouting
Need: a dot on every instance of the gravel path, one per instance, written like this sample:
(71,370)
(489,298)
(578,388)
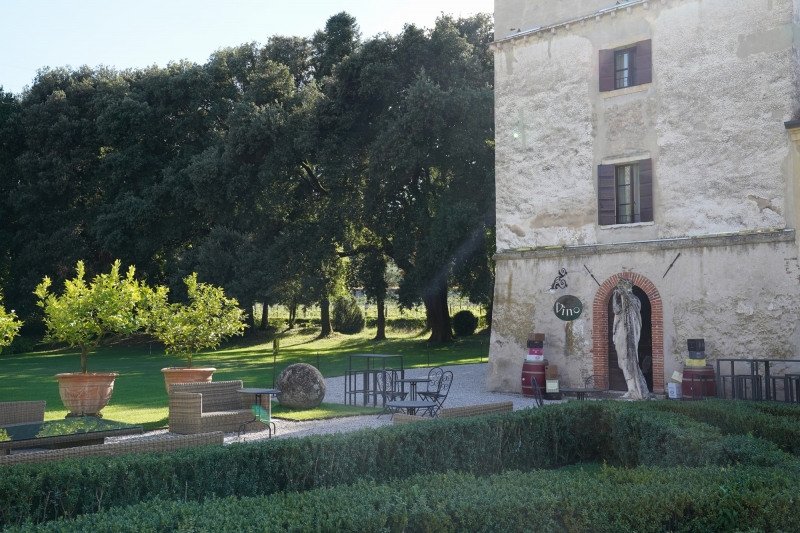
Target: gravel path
(468,388)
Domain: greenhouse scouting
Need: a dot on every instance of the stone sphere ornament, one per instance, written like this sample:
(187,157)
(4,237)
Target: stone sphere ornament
(301,387)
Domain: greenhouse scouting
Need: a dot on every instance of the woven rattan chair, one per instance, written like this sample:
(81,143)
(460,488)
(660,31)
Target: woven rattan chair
(213,406)
(21,412)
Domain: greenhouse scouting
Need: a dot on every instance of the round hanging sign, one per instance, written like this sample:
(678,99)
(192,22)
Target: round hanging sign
(568,308)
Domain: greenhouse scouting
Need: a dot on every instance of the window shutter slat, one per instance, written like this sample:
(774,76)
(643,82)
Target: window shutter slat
(646,190)
(606,70)
(606,202)
(644,62)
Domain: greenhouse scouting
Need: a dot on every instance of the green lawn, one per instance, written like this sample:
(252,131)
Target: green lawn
(139,395)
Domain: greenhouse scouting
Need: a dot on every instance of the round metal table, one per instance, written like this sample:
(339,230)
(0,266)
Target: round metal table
(258,393)
(412,384)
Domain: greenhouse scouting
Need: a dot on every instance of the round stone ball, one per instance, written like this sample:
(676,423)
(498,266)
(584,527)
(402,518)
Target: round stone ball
(301,387)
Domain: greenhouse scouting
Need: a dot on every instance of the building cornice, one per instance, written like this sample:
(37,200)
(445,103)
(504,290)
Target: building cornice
(608,12)
(699,241)
(793,127)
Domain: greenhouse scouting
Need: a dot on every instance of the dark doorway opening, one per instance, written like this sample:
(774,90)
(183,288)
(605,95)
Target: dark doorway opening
(616,378)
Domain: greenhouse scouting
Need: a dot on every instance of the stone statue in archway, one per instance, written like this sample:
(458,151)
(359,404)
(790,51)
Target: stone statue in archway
(627,330)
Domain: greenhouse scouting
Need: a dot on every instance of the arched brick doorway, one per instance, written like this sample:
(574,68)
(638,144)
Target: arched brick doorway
(600,320)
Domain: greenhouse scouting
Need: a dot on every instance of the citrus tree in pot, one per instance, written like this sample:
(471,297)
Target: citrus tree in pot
(209,319)
(9,325)
(82,316)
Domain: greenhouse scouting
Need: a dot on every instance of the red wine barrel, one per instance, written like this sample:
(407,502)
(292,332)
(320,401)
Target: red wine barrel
(705,384)
(533,369)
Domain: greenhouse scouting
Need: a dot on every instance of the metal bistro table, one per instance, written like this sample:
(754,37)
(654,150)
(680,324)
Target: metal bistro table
(579,392)
(739,382)
(67,433)
(369,376)
(412,385)
(258,393)
(411,406)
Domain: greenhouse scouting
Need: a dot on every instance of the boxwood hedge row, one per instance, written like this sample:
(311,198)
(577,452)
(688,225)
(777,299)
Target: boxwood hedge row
(625,434)
(524,440)
(778,423)
(645,499)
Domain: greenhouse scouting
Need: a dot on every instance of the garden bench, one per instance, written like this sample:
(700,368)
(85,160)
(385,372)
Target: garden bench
(212,406)
(156,445)
(460,412)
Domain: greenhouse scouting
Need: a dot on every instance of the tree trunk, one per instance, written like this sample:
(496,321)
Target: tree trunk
(437,313)
(292,313)
(250,321)
(381,322)
(264,317)
(325,317)
(84,351)
(489,311)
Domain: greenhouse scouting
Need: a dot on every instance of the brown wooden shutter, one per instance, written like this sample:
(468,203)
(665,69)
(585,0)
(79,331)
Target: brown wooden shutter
(644,62)
(646,190)
(606,70)
(606,200)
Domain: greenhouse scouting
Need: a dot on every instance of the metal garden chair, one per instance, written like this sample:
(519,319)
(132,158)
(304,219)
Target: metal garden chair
(440,394)
(387,389)
(597,381)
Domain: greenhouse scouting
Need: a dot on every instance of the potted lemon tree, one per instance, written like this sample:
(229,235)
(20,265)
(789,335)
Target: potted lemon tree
(9,325)
(82,316)
(209,319)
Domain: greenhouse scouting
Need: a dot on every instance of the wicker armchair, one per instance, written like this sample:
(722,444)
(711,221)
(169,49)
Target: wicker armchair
(21,412)
(213,406)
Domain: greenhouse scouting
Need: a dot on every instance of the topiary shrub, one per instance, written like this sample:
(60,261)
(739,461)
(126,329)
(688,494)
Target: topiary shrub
(347,316)
(464,323)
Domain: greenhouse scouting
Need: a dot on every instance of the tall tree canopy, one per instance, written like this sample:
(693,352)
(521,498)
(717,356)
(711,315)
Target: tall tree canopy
(266,170)
(408,122)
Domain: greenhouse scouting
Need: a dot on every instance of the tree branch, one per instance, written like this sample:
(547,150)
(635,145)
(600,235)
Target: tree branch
(314,181)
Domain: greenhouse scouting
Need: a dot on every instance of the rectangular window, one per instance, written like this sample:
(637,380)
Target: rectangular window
(627,67)
(623,69)
(627,194)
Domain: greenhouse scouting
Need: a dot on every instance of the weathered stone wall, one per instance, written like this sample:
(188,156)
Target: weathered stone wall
(711,120)
(741,294)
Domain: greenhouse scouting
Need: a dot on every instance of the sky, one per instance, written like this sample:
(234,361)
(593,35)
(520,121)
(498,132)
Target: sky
(57,33)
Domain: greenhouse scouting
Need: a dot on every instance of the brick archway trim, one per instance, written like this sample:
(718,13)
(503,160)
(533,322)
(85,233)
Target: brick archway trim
(600,326)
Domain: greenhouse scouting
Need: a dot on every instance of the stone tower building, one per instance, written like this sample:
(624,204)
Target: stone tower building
(652,139)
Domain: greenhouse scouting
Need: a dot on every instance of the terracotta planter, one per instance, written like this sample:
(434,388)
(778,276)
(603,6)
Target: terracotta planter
(86,394)
(181,374)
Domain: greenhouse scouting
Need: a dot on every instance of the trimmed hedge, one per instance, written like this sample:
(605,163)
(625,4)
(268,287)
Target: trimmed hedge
(613,500)
(524,440)
(347,316)
(778,423)
(621,433)
(464,323)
